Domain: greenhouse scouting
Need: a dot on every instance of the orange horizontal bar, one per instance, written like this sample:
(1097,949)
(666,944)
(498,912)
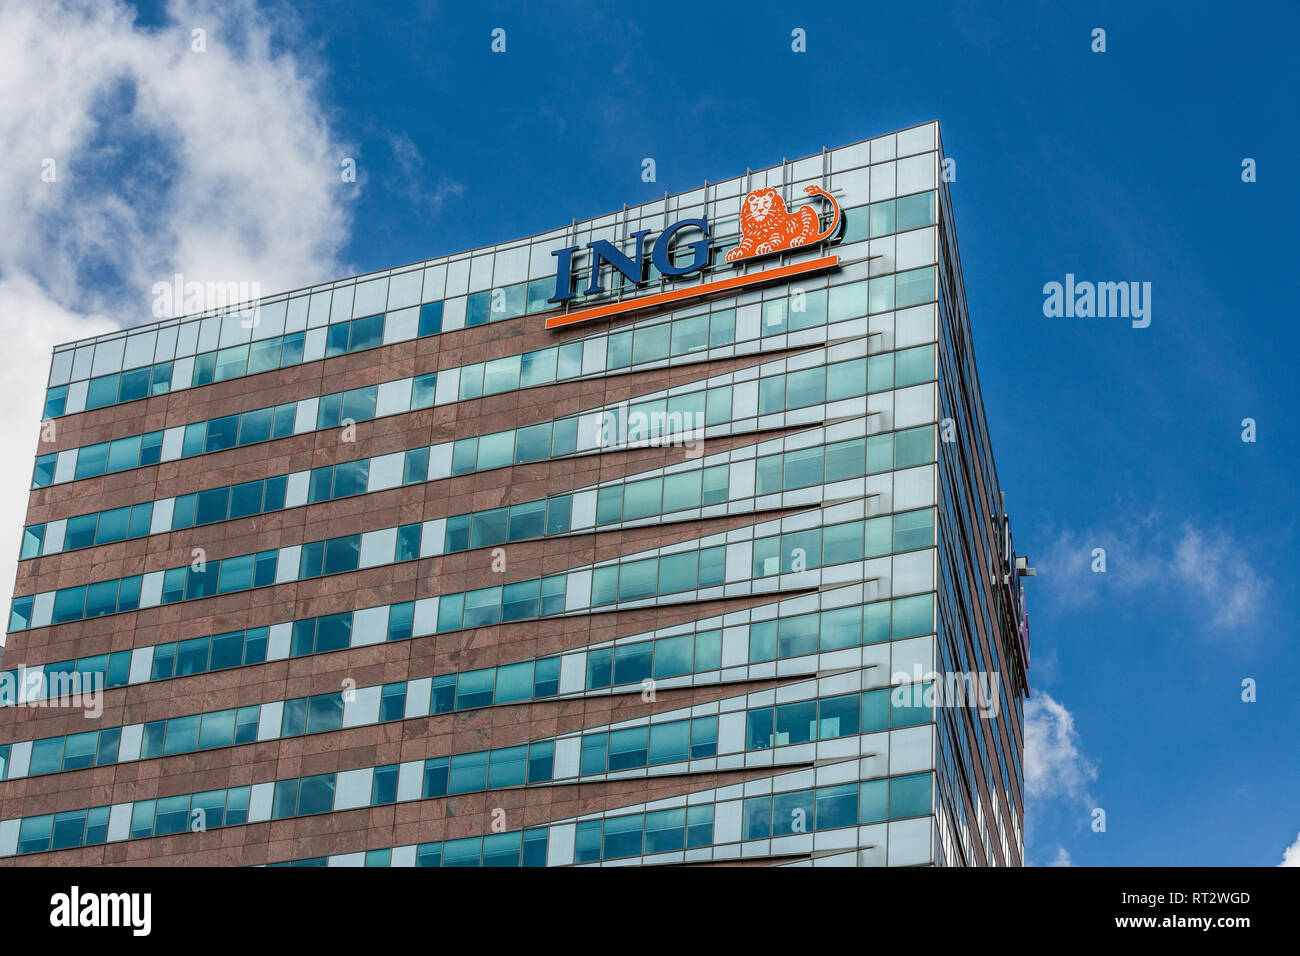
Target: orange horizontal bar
(691,292)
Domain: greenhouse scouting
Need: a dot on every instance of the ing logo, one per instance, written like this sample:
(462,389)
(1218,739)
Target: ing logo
(767,226)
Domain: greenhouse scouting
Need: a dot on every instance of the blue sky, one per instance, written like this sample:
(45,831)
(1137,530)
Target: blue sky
(1116,166)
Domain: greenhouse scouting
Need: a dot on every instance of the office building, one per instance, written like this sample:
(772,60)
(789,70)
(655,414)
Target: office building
(669,536)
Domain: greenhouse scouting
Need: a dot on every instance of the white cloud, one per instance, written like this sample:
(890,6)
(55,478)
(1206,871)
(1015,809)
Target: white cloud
(415,178)
(1062,858)
(1291,855)
(1055,768)
(220,165)
(1202,567)
(1212,565)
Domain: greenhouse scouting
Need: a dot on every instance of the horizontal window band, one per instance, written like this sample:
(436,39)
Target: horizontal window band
(807,393)
(691,659)
(596,356)
(747,652)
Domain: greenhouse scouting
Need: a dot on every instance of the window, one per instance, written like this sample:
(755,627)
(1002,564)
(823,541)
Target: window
(468,772)
(527,520)
(909,796)
(837,806)
(704,737)
(508,767)
(807,309)
(690,335)
(642,498)
(914,365)
(670,743)
(359,404)
(501,375)
(222,433)
(342,554)
(537,368)
(495,450)
(416,467)
(408,543)
(757,818)
(533,443)
(627,748)
(913,446)
(34,834)
(803,467)
(400,621)
(135,384)
(806,387)
(246,499)
(316,794)
(336,339)
(637,579)
(914,529)
(587,841)
(792,812)
(514,682)
(430,319)
(350,478)
(79,532)
(366,333)
(383,789)
(475,688)
(915,211)
(211,506)
(623,836)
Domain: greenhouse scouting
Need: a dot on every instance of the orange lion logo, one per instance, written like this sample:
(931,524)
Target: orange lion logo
(767,226)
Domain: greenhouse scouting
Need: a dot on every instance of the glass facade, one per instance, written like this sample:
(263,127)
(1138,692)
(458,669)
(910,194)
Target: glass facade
(744,531)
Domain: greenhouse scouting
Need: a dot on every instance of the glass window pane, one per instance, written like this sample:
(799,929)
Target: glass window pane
(255,426)
(803,467)
(514,682)
(416,466)
(475,688)
(637,579)
(792,812)
(222,433)
(217,729)
(623,836)
(520,600)
(496,450)
(489,528)
(316,794)
(533,443)
(909,796)
(468,773)
(670,743)
(690,335)
(632,662)
(423,390)
(508,767)
(501,375)
(123,454)
(527,520)
(359,404)
(246,499)
(757,823)
(79,532)
(366,333)
(537,368)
